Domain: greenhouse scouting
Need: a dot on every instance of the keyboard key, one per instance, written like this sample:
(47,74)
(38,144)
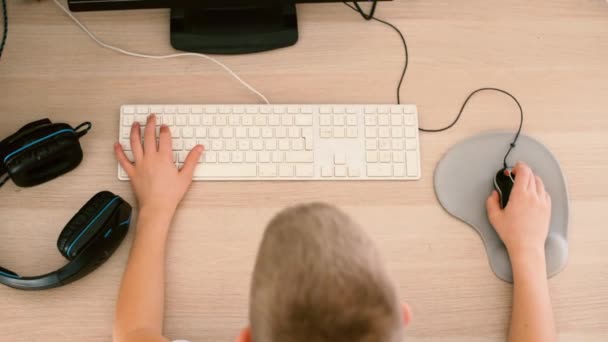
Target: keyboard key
(372,157)
(208,120)
(383,120)
(187,132)
(371,120)
(268,170)
(410,132)
(339,120)
(127,120)
(287,120)
(237,157)
(214,132)
(304,120)
(339,132)
(181,120)
(254,132)
(217,145)
(398,144)
(297,144)
(384,132)
(294,132)
(233,120)
(340,159)
(274,120)
(200,132)
(305,170)
(379,170)
(397,132)
(225,170)
(270,144)
(210,157)
(189,144)
(384,144)
(353,172)
(128,109)
(168,119)
(264,157)
(371,145)
(183,109)
(326,132)
(327,171)
(399,170)
(257,145)
(284,145)
(409,120)
(230,145)
(277,156)
(241,132)
(411,163)
(370,132)
(251,157)
(351,120)
(299,157)
(385,157)
(177,145)
(281,132)
(244,145)
(325,120)
(261,120)
(411,144)
(267,132)
(142,110)
(197,109)
(223,157)
(286,170)
(340,171)
(247,120)
(396,120)
(399,157)
(352,132)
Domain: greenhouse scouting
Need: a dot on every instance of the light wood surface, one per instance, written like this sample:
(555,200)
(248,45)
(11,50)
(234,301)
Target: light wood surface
(553,55)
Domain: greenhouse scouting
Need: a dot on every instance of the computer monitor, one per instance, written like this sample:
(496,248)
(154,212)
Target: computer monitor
(219,26)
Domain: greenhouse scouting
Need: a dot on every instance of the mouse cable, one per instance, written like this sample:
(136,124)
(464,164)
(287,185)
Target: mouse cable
(371,16)
(5,31)
(135,54)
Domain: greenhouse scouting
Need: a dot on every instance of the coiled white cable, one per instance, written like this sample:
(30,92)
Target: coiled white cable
(141,55)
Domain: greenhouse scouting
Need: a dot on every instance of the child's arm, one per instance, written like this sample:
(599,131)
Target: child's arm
(523,226)
(159,187)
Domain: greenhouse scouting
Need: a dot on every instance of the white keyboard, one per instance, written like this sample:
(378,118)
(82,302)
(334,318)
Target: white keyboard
(289,142)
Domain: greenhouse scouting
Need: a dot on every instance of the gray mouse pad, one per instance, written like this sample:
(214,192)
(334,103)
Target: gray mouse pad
(464,180)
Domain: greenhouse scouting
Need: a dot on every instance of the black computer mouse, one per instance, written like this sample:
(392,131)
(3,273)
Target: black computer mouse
(503,183)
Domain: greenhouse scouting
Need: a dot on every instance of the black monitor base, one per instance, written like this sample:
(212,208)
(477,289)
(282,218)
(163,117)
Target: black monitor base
(231,30)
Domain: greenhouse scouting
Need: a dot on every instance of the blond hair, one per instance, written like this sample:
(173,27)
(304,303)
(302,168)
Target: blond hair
(318,277)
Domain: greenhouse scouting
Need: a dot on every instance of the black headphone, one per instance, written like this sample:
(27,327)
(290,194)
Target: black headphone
(39,152)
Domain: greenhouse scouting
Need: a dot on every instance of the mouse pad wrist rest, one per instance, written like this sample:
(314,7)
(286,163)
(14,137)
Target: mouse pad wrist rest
(464,180)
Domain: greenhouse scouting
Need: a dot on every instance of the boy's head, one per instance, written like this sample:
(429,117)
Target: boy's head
(318,277)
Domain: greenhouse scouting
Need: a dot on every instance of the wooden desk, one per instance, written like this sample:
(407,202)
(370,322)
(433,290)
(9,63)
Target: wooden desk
(553,55)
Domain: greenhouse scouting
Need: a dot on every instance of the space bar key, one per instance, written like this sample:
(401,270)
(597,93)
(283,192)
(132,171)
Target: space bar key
(225,171)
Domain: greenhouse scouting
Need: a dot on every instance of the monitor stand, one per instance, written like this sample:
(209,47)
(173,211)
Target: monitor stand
(234,29)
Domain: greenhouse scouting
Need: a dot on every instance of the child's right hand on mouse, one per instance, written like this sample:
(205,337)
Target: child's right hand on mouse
(523,225)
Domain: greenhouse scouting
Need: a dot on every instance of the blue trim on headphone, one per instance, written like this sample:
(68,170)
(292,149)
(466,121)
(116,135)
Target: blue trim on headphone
(10,275)
(105,236)
(90,224)
(36,141)
(127,221)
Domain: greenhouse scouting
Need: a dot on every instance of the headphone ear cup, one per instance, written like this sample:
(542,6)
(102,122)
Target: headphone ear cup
(80,222)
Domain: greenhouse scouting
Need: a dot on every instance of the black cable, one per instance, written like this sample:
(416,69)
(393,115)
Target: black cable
(370,16)
(521,118)
(407,57)
(5,34)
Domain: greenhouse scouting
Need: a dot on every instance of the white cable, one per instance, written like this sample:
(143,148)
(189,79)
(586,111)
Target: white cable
(134,54)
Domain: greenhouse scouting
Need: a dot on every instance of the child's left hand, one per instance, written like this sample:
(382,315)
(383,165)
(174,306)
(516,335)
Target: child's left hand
(158,185)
